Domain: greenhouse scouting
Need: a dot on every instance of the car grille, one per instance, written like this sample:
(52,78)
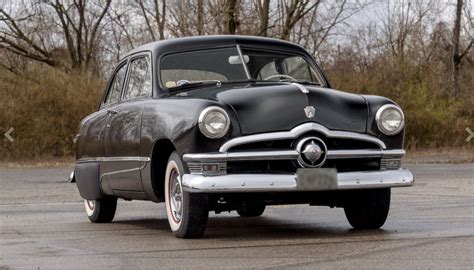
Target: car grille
(290,166)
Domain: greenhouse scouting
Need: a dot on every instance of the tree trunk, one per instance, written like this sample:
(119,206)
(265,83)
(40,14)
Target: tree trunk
(232,20)
(456,57)
(200,17)
(263,11)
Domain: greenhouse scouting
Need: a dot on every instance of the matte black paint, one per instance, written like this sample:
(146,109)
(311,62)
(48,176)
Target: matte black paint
(252,107)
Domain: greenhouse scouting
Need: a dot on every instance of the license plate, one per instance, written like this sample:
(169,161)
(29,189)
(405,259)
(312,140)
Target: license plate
(316,179)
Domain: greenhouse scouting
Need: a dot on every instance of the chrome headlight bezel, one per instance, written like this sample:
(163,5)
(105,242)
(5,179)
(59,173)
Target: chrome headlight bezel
(204,128)
(379,120)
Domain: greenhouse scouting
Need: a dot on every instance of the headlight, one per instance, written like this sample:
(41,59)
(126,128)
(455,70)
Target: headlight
(390,119)
(214,122)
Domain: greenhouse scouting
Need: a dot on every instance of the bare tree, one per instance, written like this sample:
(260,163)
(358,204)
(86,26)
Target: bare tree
(294,11)
(17,36)
(458,54)
(155,12)
(80,27)
(263,8)
(200,17)
(232,20)
(30,30)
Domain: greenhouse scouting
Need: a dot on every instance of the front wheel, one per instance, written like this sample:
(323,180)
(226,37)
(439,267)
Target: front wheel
(368,209)
(187,212)
(101,211)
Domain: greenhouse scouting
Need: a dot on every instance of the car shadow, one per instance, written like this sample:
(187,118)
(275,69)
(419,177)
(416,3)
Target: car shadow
(264,227)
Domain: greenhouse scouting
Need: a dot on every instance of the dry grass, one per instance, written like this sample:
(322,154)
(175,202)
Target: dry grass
(433,118)
(44,106)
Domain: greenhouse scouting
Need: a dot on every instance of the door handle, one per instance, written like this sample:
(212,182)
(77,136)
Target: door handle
(111,112)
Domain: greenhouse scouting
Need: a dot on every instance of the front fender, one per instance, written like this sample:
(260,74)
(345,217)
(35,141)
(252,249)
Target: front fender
(176,119)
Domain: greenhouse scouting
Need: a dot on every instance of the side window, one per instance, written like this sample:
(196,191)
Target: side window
(298,68)
(267,70)
(116,86)
(139,80)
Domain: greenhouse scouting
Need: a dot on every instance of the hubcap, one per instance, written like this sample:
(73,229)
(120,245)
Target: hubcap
(176,196)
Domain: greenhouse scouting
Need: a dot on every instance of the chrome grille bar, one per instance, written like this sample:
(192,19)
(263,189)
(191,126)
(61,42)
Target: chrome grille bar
(290,154)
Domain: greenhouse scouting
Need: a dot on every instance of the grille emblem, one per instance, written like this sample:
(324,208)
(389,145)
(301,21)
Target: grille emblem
(309,111)
(312,152)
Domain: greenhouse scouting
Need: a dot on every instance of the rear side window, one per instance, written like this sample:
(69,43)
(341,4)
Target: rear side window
(139,80)
(116,86)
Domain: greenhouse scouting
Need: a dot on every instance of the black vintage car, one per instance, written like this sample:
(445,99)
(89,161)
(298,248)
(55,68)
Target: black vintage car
(223,123)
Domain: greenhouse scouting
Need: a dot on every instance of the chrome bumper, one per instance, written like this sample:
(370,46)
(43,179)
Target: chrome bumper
(288,182)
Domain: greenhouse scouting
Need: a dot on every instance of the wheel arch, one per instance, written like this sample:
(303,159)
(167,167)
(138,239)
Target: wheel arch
(162,149)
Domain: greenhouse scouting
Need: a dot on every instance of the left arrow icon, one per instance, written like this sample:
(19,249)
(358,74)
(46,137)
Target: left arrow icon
(8,134)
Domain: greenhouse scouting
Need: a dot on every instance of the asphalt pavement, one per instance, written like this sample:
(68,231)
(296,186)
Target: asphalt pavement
(43,226)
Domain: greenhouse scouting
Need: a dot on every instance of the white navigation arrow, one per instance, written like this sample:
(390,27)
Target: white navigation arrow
(8,134)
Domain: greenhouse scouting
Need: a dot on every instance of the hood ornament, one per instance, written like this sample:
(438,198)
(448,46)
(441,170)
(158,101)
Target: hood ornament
(310,111)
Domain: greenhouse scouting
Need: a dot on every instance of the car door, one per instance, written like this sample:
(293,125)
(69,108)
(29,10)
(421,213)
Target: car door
(122,145)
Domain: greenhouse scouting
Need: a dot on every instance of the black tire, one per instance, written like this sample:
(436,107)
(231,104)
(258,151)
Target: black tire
(368,209)
(101,211)
(251,209)
(187,212)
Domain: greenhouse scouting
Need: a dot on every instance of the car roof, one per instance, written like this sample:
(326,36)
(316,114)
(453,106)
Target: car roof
(197,42)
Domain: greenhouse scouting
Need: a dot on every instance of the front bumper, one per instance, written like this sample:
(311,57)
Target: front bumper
(240,183)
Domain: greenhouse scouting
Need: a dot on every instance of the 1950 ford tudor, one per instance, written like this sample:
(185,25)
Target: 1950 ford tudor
(223,123)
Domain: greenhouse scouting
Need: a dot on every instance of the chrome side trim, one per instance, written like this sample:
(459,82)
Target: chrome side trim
(288,182)
(291,154)
(112,159)
(298,131)
(123,171)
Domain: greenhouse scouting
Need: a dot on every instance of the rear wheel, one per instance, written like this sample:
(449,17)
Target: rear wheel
(368,209)
(101,211)
(187,212)
(251,209)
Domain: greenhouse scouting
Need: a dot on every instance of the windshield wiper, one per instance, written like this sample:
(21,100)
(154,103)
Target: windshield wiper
(186,86)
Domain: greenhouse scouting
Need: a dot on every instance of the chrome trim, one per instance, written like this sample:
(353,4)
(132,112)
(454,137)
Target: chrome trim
(291,154)
(384,164)
(263,155)
(340,154)
(301,87)
(197,168)
(299,149)
(246,69)
(298,131)
(201,120)
(396,153)
(112,159)
(72,177)
(379,125)
(288,182)
(123,171)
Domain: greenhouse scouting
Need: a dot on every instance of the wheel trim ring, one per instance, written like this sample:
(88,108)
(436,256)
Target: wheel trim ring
(90,207)
(172,184)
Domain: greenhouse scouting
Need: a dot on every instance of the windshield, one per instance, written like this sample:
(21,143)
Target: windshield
(225,65)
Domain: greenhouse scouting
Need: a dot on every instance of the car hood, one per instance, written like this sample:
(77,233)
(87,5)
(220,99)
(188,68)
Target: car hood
(280,107)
